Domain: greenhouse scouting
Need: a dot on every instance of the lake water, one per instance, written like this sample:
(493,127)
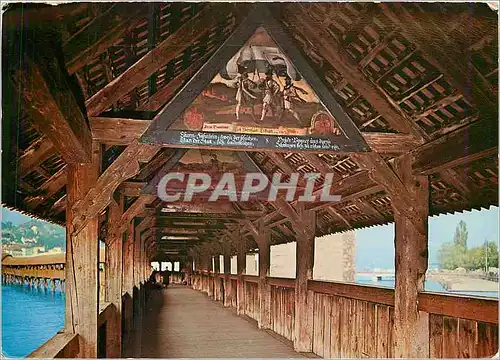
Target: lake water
(429,285)
(30,317)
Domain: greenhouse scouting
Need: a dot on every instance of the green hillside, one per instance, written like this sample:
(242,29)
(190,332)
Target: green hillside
(34,232)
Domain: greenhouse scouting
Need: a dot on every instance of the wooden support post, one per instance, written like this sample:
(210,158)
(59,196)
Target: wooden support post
(304,271)
(128,287)
(138,293)
(114,273)
(82,260)
(227,273)
(241,268)
(211,279)
(217,292)
(263,241)
(411,327)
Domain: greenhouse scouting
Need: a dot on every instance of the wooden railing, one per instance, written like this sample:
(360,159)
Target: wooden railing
(234,290)
(460,327)
(358,321)
(351,320)
(283,306)
(251,287)
(61,345)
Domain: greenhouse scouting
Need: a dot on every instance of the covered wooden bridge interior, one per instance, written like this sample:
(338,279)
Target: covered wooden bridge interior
(419,81)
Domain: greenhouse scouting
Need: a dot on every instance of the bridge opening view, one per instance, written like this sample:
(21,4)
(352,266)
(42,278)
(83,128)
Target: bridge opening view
(250,180)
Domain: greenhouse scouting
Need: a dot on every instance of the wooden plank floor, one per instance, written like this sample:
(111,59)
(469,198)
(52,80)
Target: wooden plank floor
(184,323)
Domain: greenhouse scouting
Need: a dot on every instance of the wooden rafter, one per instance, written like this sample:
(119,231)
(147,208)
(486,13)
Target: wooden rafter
(101,33)
(369,210)
(429,32)
(335,213)
(167,50)
(48,188)
(384,175)
(35,154)
(336,55)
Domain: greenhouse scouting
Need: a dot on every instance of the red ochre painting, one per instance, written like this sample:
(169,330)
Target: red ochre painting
(259,92)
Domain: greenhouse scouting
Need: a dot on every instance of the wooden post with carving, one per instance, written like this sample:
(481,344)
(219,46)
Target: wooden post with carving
(304,271)
(82,257)
(264,240)
(114,273)
(411,327)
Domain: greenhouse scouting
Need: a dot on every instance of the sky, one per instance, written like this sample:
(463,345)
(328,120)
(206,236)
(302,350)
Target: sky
(14,217)
(375,245)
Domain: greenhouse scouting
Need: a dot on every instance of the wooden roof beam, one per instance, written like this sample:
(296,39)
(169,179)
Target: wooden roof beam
(469,143)
(51,105)
(122,131)
(131,189)
(101,33)
(117,131)
(123,168)
(167,50)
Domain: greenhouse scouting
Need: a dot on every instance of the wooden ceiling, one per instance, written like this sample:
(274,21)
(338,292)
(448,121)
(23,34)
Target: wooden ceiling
(416,78)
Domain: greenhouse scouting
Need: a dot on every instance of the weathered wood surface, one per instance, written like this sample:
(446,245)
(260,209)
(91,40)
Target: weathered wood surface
(303,331)
(114,274)
(82,258)
(35,154)
(241,270)
(46,90)
(252,304)
(264,290)
(61,345)
(411,327)
(332,51)
(452,337)
(283,310)
(373,294)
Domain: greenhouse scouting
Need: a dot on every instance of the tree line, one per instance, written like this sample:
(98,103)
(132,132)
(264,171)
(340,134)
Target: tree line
(456,254)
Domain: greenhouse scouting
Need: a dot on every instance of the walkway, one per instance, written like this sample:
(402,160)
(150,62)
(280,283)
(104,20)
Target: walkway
(184,323)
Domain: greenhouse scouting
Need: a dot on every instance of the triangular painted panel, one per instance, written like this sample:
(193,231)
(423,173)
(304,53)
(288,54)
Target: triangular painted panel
(257,92)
